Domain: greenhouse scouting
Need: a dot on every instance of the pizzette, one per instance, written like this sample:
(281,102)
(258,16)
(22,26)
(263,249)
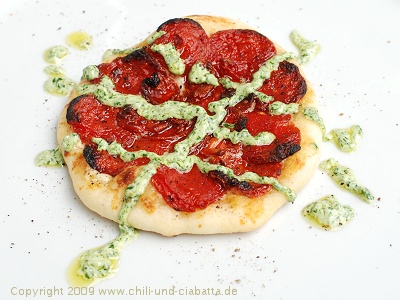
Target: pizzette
(195,130)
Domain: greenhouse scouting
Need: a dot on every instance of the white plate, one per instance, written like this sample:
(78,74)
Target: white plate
(44,226)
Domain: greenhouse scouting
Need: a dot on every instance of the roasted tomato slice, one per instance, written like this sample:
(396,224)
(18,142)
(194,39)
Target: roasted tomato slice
(130,71)
(156,136)
(285,84)
(90,118)
(159,88)
(187,191)
(287,140)
(188,37)
(238,53)
(102,162)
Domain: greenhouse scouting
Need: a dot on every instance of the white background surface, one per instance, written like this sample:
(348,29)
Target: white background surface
(356,77)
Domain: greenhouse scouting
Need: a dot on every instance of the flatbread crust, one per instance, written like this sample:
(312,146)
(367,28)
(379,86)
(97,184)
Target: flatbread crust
(233,213)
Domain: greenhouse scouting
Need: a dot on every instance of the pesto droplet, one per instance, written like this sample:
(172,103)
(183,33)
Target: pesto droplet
(56,54)
(328,213)
(59,85)
(49,158)
(347,139)
(345,178)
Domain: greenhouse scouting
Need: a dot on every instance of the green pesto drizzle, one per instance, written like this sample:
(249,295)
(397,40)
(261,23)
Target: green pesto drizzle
(154,36)
(175,63)
(328,213)
(345,177)
(244,136)
(279,108)
(199,74)
(244,89)
(99,263)
(308,49)
(312,114)
(58,83)
(116,52)
(206,124)
(181,163)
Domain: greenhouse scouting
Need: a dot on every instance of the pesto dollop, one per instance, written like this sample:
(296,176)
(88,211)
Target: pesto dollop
(54,70)
(56,54)
(347,139)
(345,178)
(59,85)
(48,158)
(98,264)
(328,213)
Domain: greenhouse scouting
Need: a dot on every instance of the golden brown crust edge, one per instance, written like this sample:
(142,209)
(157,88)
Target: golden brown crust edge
(234,213)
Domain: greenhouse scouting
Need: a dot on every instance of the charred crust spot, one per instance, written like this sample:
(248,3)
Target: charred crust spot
(72,115)
(229,182)
(283,151)
(89,153)
(126,177)
(149,205)
(176,21)
(241,123)
(152,81)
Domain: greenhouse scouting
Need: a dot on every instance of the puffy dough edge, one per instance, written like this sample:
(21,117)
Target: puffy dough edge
(234,213)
